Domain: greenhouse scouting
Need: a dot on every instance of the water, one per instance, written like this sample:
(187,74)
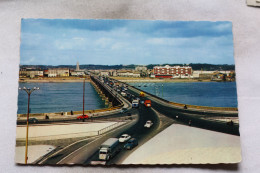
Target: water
(57,97)
(217,94)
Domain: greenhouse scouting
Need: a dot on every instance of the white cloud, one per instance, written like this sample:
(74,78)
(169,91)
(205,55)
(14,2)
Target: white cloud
(103,42)
(119,45)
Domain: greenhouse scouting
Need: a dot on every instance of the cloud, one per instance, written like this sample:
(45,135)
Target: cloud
(55,42)
(103,42)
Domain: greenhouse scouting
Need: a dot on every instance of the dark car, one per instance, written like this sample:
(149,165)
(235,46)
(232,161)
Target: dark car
(33,120)
(131,144)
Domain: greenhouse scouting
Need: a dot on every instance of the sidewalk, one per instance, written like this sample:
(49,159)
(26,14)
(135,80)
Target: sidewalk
(62,130)
(34,152)
(188,145)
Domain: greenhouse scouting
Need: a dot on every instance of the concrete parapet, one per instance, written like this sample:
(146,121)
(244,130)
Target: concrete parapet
(205,107)
(66,114)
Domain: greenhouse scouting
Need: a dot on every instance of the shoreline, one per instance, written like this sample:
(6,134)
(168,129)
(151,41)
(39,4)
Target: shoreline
(53,81)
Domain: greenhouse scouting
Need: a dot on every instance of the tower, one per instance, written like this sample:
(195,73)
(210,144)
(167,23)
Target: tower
(77,67)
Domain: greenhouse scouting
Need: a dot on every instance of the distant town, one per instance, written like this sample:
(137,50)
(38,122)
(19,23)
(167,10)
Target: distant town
(165,71)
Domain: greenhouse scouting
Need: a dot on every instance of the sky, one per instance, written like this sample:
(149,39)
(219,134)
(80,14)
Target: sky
(113,42)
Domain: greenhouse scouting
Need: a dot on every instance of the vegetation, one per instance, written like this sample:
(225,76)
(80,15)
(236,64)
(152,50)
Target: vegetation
(204,67)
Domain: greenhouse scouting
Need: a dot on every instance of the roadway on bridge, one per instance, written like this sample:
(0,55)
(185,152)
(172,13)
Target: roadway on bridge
(162,115)
(189,117)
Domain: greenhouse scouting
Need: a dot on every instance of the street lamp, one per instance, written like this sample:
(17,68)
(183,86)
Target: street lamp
(162,90)
(28,91)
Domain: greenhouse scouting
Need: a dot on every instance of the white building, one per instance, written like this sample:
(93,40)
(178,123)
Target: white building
(61,72)
(104,73)
(141,68)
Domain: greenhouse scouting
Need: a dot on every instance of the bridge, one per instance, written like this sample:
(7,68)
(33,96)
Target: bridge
(162,113)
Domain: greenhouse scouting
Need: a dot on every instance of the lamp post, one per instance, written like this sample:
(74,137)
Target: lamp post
(162,90)
(29,92)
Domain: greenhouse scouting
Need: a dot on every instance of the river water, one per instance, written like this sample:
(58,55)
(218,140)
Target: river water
(217,94)
(58,97)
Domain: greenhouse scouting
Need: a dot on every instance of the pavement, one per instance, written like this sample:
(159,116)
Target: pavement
(62,130)
(180,144)
(34,153)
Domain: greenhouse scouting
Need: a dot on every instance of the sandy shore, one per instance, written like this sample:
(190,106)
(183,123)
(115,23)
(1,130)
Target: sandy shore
(51,80)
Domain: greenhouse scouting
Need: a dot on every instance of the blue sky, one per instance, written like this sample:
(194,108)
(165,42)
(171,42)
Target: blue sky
(110,42)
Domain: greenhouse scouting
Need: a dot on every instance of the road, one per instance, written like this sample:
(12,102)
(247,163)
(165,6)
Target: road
(161,114)
(86,151)
(190,117)
(137,131)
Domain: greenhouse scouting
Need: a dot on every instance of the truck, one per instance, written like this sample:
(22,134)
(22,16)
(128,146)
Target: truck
(147,103)
(135,103)
(108,149)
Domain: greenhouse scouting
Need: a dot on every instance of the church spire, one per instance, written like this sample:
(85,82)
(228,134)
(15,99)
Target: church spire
(77,67)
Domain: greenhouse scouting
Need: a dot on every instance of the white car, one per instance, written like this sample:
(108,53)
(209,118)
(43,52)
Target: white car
(124,138)
(148,124)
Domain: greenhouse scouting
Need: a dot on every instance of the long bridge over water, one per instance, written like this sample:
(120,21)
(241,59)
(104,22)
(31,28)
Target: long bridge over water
(163,114)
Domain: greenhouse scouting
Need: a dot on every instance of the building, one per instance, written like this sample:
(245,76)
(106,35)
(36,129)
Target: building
(141,68)
(30,73)
(172,72)
(77,67)
(104,73)
(113,73)
(202,74)
(60,72)
(78,71)
(209,74)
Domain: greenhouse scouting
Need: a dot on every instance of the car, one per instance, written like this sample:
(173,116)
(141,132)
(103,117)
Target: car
(123,110)
(81,117)
(124,138)
(33,120)
(142,102)
(148,124)
(131,144)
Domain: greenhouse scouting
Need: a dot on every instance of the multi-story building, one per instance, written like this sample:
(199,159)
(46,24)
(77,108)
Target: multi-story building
(61,72)
(30,73)
(172,72)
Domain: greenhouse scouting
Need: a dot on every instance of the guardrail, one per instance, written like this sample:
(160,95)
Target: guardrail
(74,135)
(102,131)
(61,136)
(74,112)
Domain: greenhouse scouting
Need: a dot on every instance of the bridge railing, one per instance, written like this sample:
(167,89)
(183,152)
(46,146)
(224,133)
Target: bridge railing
(69,113)
(102,131)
